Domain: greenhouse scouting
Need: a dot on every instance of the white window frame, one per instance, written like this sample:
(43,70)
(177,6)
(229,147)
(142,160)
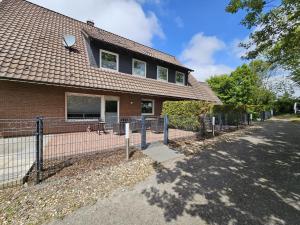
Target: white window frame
(183,78)
(133,67)
(112,53)
(103,99)
(157,75)
(153,108)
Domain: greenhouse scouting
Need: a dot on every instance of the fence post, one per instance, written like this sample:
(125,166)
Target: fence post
(220,121)
(127,140)
(143,133)
(213,121)
(202,125)
(166,130)
(41,142)
(37,151)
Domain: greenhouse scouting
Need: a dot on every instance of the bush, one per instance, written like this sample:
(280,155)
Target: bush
(255,110)
(185,114)
(285,105)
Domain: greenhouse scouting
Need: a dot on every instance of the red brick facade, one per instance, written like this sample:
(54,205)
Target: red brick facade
(21,100)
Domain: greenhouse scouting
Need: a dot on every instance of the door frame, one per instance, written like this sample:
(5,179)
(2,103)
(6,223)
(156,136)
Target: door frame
(103,106)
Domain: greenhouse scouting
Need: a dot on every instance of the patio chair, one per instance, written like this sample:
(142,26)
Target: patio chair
(134,123)
(119,128)
(157,126)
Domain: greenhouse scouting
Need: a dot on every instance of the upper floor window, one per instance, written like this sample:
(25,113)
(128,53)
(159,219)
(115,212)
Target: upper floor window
(109,60)
(138,67)
(179,78)
(162,73)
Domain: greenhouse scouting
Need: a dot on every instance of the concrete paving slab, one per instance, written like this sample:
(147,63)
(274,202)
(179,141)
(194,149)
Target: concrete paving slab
(17,155)
(161,153)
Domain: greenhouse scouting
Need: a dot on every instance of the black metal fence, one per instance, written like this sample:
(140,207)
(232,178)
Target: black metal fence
(35,149)
(209,125)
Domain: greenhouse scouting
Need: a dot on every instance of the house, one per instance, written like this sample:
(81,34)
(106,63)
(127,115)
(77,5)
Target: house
(101,75)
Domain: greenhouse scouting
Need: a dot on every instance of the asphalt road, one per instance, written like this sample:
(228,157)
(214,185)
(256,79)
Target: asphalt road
(253,179)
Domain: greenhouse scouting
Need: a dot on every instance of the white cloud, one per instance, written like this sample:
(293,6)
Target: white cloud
(237,50)
(124,17)
(199,55)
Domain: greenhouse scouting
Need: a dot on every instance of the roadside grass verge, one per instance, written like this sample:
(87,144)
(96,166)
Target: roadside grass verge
(289,117)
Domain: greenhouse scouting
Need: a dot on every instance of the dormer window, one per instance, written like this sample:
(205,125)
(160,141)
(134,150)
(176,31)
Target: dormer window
(179,78)
(162,73)
(109,60)
(139,68)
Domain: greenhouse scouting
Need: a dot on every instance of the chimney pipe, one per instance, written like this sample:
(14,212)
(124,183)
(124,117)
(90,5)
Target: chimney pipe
(90,23)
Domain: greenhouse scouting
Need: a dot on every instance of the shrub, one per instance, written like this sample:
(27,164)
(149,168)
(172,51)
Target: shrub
(185,114)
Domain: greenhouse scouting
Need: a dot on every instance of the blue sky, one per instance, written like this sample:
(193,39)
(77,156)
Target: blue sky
(207,17)
(198,32)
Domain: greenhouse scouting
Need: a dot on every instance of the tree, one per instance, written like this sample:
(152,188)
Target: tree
(285,104)
(276,36)
(243,87)
(221,85)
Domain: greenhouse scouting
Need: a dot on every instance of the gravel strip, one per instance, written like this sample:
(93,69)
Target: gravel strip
(58,197)
(195,146)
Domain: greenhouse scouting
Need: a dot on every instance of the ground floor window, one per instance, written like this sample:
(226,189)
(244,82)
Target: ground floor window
(147,107)
(83,106)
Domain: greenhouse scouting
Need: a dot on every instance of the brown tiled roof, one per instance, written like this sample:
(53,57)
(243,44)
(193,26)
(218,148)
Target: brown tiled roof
(31,50)
(203,91)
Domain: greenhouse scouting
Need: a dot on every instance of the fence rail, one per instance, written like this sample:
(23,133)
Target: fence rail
(37,148)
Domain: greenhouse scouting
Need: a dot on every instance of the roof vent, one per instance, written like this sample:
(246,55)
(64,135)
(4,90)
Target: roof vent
(90,23)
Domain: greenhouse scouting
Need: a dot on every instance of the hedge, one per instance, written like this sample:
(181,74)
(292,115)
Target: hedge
(185,114)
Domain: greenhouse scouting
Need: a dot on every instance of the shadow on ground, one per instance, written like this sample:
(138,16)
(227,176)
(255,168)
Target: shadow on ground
(254,179)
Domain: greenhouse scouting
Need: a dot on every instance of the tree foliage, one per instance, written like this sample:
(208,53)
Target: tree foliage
(276,36)
(285,104)
(244,86)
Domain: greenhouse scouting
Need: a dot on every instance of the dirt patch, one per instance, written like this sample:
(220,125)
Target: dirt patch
(72,166)
(192,146)
(80,184)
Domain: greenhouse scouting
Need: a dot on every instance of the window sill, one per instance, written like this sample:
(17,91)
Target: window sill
(147,114)
(166,81)
(109,70)
(81,120)
(136,75)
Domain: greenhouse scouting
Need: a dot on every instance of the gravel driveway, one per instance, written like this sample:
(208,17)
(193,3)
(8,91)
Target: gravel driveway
(250,179)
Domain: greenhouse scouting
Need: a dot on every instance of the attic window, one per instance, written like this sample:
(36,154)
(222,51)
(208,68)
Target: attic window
(138,68)
(179,78)
(162,73)
(109,60)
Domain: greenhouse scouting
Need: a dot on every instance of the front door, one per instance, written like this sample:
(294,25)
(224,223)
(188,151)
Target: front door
(111,111)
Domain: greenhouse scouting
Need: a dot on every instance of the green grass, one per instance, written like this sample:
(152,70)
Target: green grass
(289,117)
